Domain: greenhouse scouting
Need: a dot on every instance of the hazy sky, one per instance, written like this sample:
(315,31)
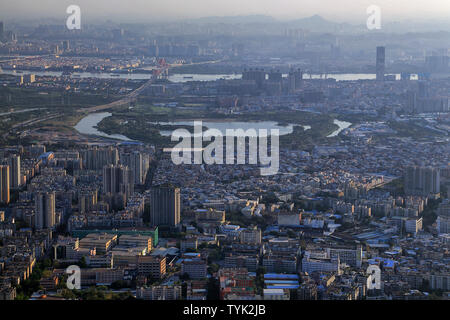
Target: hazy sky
(140,10)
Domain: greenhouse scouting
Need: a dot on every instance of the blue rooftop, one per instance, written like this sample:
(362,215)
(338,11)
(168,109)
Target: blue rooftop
(283,287)
(45,154)
(280,276)
(292,282)
(389,263)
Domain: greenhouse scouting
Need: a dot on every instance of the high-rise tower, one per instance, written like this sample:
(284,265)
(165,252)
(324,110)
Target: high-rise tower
(14,166)
(165,206)
(45,210)
(381,60)
(4,183)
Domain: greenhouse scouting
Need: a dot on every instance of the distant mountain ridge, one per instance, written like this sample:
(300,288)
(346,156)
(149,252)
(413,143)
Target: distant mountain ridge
(265,23)
(320,24)
(313,23)
(317,23)
(236,19)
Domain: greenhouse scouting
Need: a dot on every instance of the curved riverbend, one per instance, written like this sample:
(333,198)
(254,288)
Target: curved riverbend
(342,126)
(88,124)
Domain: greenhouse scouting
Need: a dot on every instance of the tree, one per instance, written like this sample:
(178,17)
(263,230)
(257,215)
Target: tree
(213,268)
(269,198)
(47,273)
(291,234)
(82,262)
(119,284)
(185,277)
(124,296)
(21,296)
(215,255)
(68,294)
(213,289)
(47,263)
(146,215)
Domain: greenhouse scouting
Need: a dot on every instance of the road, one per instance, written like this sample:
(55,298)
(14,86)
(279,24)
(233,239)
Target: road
(27,57)
(31,122)
(132,96)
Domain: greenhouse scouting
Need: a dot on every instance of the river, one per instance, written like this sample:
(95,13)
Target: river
(87,126)
(342,126)
(181,78)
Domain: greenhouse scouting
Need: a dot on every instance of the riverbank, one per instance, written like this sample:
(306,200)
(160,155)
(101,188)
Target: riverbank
(141,127)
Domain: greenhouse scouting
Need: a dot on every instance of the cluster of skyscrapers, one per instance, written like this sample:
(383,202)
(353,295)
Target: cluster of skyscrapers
(45,210)
(422,180)
(10,177)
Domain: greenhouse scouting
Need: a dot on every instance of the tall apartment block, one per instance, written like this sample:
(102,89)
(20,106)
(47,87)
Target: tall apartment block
(134,161)
(381,59)
(45,215)
(4,184)
(15,177)
(165,206)
(422,180)
(117,179)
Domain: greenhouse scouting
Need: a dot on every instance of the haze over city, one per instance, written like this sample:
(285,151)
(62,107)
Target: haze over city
(350,11)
